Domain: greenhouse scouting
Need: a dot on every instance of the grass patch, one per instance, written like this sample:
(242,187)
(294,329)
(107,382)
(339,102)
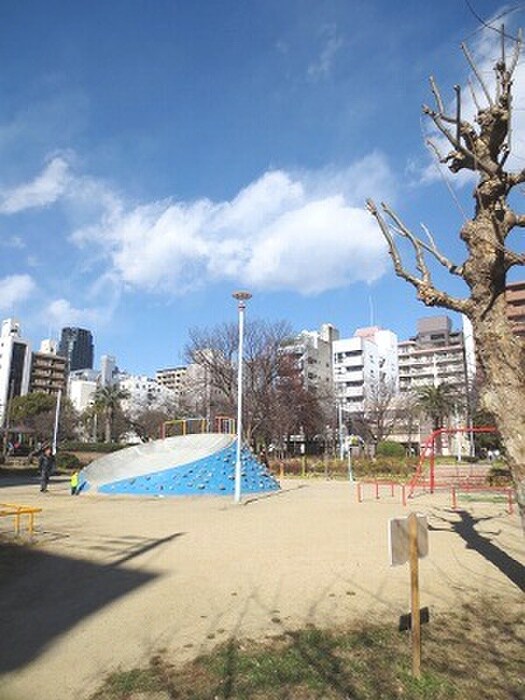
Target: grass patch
(472,652)
(480,497)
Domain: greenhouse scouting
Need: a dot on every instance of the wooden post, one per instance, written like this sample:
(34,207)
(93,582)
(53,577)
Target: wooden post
(414,595)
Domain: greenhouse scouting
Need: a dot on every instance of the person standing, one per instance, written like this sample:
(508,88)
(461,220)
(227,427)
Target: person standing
(74,483)
(46,465)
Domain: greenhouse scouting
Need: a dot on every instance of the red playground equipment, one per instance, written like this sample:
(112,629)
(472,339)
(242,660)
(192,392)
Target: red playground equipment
(458,477)
(428,451)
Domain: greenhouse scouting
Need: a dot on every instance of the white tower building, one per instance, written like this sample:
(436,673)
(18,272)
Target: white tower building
(15,364)
(363,364)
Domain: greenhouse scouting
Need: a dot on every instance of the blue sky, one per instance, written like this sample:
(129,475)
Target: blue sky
(157,155)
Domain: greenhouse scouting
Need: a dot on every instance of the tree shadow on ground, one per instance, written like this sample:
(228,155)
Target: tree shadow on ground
(465,527)
(43,595)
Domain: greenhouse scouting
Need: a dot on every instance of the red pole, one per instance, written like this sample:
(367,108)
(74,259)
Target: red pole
(432,463)
(392,489)
(511,510)
(377,490)
(359,494)
(454,502)
(403,494)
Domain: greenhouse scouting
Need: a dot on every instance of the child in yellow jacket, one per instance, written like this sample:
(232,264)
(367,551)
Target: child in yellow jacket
(74,483)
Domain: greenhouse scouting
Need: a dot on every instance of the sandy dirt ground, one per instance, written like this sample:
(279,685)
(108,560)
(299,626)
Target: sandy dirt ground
(109,581)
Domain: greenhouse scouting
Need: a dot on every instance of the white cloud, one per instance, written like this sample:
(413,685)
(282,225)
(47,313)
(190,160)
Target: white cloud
(14,289)
(322,66)
(45,189)
(306,232)
(323,245)
(13,242)
(61,312)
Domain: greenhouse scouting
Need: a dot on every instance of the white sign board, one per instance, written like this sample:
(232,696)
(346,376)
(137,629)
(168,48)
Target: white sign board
(398,539)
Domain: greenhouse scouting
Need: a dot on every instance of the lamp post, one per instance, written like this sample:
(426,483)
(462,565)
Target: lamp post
(242,297)
(57,416)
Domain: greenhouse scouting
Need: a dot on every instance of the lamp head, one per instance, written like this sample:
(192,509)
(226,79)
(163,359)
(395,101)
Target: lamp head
(242,295)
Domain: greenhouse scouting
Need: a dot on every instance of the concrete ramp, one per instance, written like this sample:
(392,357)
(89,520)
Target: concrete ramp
(177,466)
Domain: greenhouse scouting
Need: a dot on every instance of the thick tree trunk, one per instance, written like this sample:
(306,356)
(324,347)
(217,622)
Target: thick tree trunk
(500,353)
(501,359)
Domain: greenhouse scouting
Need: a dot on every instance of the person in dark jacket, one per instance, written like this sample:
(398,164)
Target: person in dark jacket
(46,465)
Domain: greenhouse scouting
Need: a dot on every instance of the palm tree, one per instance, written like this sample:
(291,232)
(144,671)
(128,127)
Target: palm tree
(438,402)
(107,400)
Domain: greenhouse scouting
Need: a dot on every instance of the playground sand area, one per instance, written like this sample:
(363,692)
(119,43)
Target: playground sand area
(107,582)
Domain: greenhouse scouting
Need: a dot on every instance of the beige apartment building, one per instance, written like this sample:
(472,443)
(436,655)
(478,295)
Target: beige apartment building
(48,373)
(515,296)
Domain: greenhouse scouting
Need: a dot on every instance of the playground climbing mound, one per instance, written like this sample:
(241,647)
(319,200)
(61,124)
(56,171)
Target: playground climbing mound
(186,465)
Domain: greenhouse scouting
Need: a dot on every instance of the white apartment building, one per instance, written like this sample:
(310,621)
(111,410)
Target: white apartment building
(362,364)
(144,393)
(172,378)
(49,346)
(15,364)
(312,353)
(81,387)
(356,366)
(108,370)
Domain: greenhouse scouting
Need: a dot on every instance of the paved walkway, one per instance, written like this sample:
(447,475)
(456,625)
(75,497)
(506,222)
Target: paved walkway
(112,580)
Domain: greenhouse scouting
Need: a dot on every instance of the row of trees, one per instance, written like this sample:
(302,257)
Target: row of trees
(279,403)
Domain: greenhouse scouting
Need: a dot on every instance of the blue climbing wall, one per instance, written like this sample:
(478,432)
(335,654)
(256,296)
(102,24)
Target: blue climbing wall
(210,475)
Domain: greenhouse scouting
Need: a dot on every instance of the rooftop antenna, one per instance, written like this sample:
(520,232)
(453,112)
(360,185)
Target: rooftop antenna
(371,307)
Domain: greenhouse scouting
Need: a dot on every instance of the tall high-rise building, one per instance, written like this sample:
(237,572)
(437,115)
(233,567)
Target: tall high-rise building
(15,364)
(76,345)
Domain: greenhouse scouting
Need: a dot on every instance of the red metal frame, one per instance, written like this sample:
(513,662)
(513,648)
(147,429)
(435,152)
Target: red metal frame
(428,445)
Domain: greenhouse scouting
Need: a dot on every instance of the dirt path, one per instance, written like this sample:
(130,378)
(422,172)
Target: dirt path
(113,580)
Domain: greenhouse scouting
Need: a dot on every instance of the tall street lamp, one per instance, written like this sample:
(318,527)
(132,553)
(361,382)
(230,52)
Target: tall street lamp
(242,297)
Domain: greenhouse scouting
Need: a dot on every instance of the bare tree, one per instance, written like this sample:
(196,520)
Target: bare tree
(380,413)
(215,351)
(147,423)
(296,409)
(482,147)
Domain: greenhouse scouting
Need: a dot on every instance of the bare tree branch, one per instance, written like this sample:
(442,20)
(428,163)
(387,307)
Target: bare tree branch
(474,68)
(512,259)
(473,95)
(514,179)
(427,292)
(518,45)
(437,95)
(433,250)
